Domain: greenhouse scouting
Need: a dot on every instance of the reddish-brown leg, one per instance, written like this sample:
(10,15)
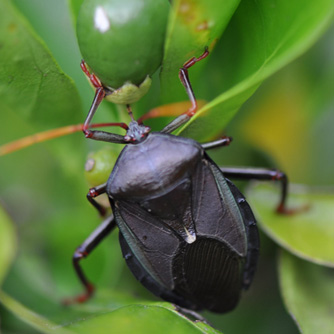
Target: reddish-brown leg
(100,94)
(184,77)
(89,244)
(91,76)
(268,175)
(82,252)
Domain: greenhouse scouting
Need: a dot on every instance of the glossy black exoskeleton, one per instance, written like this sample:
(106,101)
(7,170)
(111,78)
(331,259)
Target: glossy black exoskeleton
(186,232)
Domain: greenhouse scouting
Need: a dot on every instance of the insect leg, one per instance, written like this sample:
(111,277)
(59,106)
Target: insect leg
(193,314)
(100,94)
(91,76)
(184,77)
(101,135)
(83,251)
(223,141)
(105,136)
(98,98)
(94,192)
(262,174)
(176,123)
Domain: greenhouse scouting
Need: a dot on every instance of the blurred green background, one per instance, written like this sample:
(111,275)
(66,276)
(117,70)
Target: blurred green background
(288,124)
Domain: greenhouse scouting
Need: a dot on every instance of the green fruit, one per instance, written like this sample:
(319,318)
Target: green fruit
(122,40)
(99,166)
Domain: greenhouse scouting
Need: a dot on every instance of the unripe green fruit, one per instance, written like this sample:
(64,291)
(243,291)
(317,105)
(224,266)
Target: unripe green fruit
(99,166)
(122,40)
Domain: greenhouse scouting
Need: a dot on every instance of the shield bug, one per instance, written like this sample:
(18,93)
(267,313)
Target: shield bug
(185,230)
(122,45)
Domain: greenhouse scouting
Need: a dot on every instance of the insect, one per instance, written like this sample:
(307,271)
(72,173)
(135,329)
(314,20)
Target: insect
(122,44)
(185,230)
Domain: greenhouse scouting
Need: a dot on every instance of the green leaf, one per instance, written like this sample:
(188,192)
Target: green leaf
(309,233)
(31,318)
(74,8)
(8,244)
(308,294)
(193,25)
(261,38)
(31,83)
(48,194)
(140,319)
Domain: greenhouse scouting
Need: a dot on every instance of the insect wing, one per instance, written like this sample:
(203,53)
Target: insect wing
(209,272)
(153,244)
(252,235)
(215,209)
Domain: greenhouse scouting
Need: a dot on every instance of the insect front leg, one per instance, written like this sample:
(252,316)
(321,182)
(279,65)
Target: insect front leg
(184,77)
(107,136)
(100,94)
